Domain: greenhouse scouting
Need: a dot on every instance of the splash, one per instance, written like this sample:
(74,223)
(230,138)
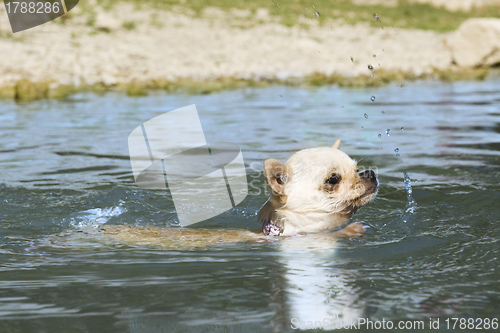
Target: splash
(96,217)
(411,204)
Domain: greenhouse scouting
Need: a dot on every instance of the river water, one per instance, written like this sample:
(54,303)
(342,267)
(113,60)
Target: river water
(431,253)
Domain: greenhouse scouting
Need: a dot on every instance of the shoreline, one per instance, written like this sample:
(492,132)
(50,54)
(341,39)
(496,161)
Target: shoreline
(25,90)
(135,50)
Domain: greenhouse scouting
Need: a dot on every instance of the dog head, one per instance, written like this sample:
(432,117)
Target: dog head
(316,189)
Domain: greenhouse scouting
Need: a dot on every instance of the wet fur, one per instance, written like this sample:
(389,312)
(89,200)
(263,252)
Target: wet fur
(302,201)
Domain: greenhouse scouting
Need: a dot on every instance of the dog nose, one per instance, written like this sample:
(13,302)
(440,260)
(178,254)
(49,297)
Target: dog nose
(367,174)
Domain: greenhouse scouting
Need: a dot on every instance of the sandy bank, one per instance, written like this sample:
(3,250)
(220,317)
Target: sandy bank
(146,46)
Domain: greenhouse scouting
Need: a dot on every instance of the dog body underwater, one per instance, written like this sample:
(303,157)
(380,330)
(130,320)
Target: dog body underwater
(316,190)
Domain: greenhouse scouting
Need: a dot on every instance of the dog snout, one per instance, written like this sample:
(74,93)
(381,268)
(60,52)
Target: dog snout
(367,174)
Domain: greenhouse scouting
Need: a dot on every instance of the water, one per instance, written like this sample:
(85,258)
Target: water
(431,252)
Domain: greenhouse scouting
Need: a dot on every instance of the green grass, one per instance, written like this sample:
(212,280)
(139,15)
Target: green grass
(27,91)
(406,15)
(128,25)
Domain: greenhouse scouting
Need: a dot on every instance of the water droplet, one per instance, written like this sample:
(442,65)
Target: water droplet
(362,128)
(376,17)
(352,59)
(374,55)
(380,136)
(388,132)
(281,96)
(370,67)
(383,112)
(396,150)
(397,155)
(366,116)
(402,128)
(316,14)
(372,98)
(407,181)
(411,205)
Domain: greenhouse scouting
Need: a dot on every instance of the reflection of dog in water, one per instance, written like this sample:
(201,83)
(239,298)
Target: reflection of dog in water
(316,190)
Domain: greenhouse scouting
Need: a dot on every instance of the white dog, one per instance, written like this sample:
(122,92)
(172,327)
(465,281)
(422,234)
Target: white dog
(316,190)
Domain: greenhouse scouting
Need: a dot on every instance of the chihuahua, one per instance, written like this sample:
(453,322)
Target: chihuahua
(316,190)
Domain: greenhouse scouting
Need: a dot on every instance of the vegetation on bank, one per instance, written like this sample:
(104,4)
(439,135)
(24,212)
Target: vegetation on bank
(290,12)
(407,14)
(26,91)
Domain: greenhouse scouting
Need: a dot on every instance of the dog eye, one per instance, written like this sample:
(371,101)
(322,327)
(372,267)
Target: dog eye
(333,180)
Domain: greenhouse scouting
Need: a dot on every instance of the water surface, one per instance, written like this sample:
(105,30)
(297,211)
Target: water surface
(65,167)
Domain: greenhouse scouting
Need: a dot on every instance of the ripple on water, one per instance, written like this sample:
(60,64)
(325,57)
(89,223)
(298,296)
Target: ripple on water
(60,180)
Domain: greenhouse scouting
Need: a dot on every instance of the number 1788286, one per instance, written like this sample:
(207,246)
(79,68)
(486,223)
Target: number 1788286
(472,323)
(39,7)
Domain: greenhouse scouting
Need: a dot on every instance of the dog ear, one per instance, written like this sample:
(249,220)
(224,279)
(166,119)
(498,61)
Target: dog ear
(277,175)
(336,145)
